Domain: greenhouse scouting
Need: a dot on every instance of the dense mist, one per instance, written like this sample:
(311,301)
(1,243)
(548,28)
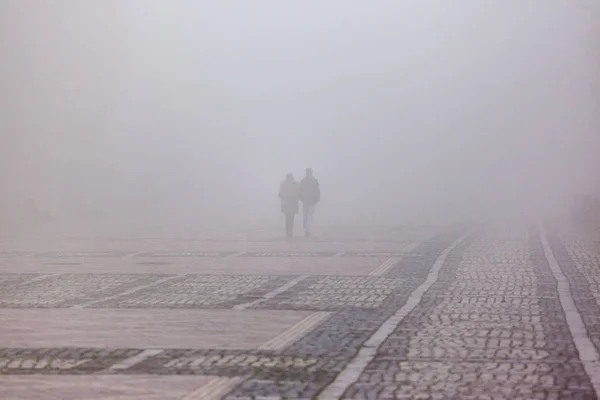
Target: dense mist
(185,111)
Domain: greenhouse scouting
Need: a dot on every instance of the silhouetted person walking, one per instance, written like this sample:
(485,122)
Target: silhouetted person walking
(310,195)
(288,193)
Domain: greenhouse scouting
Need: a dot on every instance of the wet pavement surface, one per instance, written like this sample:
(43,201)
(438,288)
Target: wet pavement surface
(442,312)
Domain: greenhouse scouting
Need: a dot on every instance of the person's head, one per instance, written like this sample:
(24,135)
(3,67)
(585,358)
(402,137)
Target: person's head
(309,172)
(289,177)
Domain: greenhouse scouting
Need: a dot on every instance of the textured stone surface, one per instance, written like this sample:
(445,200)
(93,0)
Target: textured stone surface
(258,316)
(200,291)
(103,387)
(333,293)
(71,289)
(579,258)
(459,342)
(143,328)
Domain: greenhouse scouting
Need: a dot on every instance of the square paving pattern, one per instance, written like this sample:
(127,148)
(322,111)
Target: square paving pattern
(405,312)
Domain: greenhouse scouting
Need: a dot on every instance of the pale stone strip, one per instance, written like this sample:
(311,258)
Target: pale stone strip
(37,279)
(128,292)
(357,365)
(238,254)
(384,267)
(339,254)
(215,389)
(295,332)
(587,352)
(131,361)
(271,294)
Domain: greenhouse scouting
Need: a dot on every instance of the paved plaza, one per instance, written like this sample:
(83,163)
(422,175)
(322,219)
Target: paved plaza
(439,312)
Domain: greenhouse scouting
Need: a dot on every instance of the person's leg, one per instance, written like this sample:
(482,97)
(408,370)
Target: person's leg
(289,224)
(305,208)
(309,212)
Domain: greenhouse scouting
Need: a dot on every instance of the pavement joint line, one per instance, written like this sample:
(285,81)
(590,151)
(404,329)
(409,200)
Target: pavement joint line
(131,361)
(128,292)
(295,332)
(339,254)
(384,267)
(588,354)
(237,254)
(367,353)
(215,389)
(272,294)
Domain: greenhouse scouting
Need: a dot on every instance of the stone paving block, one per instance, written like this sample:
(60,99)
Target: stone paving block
(386,254)
(292,254)
(186,254)
(466,380)
(80,254)
(279,389)
(67,360)
(350,266)
(199,291)
(228,363)
(71,289)
(199,329)
(332,293)
(12,279)
(15,254)
(101,387)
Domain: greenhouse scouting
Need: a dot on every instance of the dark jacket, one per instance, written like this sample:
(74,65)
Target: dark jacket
(288,193)
(310,193)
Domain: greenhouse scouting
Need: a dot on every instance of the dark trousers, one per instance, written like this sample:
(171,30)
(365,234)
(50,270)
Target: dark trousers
(289,223)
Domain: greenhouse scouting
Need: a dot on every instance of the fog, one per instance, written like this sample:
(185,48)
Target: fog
(192,112)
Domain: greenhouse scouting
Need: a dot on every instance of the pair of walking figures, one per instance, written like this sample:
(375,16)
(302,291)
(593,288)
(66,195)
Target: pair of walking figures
(292,193)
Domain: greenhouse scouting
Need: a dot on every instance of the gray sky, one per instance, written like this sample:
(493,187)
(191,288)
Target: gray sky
(406,110)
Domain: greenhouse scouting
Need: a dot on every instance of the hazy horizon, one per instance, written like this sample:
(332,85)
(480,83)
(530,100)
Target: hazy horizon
(194,111)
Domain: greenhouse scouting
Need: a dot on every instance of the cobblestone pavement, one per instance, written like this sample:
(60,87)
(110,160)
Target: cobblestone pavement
(383,313)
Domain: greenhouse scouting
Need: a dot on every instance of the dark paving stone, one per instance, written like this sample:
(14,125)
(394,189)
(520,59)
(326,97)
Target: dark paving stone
(73,361)
(200,292)
(66,290)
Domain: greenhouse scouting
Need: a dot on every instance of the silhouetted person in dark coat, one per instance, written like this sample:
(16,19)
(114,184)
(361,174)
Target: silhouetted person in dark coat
(288,193)
(310,195)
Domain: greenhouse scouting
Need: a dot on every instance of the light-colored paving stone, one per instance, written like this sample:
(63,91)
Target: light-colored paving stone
(114,387)
(346,238)
(201,329)
(295,332)
(384,267)
(219,266)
